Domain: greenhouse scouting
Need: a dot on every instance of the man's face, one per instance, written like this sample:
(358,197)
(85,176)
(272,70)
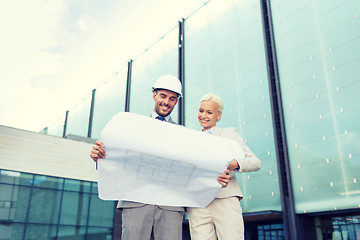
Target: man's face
(165,102)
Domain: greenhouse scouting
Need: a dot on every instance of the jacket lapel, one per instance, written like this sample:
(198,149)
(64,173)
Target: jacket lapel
(171,121)
(217,131)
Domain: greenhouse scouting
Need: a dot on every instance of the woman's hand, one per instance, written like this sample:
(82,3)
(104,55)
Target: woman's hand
(224,178)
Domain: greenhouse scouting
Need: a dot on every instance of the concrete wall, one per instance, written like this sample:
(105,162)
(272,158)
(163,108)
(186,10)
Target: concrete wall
(38,153)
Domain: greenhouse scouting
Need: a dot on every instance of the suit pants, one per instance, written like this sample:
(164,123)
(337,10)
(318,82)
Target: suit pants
(139,223)
(221,219)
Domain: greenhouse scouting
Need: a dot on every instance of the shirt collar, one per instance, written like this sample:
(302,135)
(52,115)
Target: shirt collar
(210,131)
(154,115)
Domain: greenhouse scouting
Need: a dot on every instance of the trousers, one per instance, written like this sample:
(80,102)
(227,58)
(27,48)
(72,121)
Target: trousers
(140,223)
(221,219)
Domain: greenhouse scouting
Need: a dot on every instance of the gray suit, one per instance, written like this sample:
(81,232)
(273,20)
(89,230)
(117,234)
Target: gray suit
(140,219)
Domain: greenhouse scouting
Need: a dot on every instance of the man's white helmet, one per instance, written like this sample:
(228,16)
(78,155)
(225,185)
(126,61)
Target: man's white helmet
(168,82)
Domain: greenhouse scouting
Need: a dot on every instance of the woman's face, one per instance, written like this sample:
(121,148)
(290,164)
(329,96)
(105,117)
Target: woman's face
(208,114)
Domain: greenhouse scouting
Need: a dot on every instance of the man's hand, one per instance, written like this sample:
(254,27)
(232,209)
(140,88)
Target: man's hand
(224,178)
(97,151)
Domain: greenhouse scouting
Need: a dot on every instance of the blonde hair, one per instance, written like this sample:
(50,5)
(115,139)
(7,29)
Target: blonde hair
(215,98)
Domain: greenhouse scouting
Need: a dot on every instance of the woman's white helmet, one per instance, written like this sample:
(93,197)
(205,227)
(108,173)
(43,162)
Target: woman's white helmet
(168,82)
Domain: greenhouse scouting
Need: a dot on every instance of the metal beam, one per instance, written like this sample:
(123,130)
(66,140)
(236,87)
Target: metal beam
(181,69)
(286,191)
(65,123)
(91,116)
(128,86)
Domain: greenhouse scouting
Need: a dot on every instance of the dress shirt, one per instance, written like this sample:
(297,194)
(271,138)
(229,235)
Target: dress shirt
(209,131)
(154,115)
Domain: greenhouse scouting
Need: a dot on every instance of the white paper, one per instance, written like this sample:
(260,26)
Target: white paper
(154,162)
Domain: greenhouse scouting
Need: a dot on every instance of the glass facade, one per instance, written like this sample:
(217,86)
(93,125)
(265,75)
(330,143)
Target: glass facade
(344,227)
(270,232)
(56,128)
(43,207)
(318,52)
(78,118)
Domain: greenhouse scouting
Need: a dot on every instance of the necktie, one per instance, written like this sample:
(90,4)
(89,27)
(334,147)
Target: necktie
(161,118)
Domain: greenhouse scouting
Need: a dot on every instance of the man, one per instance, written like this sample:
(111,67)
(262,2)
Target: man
(139,220)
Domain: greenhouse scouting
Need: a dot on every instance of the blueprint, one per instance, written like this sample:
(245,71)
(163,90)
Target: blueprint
(154,162)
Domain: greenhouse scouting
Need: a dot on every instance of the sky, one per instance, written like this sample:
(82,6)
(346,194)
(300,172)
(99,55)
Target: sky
(54,52)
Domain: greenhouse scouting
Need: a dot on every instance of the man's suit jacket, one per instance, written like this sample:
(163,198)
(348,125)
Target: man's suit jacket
(128,204)
(248,164)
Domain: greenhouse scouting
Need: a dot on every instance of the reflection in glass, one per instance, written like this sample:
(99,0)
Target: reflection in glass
(74,208)
(12,177)
(48,182)
(101,212)
(318,58)
(72,232)
(44,206)
(97,233)
(72,185)
(39,231)
(12,231)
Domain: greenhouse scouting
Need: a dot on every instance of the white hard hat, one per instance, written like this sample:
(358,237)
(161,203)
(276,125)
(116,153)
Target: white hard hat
(168,82)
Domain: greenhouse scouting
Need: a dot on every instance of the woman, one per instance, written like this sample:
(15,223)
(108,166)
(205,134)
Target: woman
(222,218)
